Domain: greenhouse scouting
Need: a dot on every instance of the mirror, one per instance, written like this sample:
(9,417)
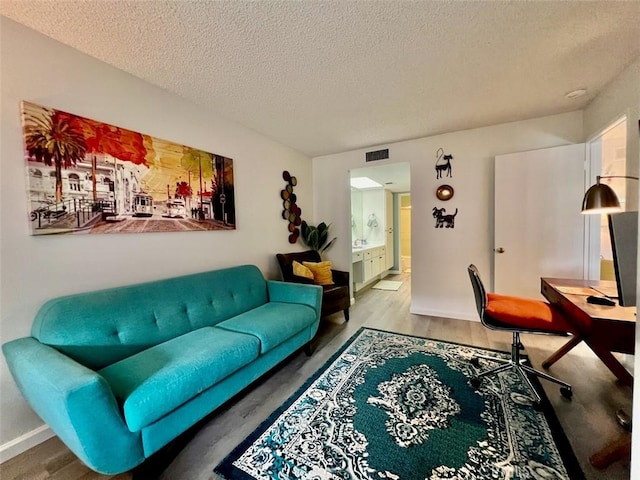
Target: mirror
(367,217)
(369,187)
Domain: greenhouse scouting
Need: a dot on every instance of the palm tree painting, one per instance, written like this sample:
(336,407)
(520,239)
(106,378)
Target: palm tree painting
(85,176)
(54,139)
(117,142)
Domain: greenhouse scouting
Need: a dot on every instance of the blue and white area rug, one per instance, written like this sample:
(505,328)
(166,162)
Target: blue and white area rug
(392,406)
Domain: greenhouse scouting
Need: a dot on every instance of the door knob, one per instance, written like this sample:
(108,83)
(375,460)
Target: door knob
(500,250)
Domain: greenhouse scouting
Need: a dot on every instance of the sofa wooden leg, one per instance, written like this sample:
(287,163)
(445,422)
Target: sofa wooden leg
(308,349)
(346,314)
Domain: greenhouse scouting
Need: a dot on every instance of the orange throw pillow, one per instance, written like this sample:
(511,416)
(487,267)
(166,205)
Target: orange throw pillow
(321,272)
(526,313)
(300,270)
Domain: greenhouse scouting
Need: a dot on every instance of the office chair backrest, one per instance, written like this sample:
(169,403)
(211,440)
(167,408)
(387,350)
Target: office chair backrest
(478,290)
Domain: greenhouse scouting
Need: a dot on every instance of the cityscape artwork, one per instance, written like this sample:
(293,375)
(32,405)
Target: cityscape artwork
(85,176)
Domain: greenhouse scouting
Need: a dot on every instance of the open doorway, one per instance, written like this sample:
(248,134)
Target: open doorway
(380,231)
(608,155)
(404,208)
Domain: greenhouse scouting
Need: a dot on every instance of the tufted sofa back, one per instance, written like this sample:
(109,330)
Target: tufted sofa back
(102,327)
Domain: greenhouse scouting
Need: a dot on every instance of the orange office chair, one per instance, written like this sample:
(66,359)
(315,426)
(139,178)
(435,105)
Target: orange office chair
(517,315)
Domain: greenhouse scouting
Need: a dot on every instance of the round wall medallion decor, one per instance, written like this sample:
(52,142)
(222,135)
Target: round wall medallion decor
(444,192)
(291,211)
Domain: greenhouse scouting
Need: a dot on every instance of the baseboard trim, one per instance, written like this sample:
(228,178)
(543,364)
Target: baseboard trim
(441,314)
(24,442)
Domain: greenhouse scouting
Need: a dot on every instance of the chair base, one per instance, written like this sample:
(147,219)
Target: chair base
(518,365)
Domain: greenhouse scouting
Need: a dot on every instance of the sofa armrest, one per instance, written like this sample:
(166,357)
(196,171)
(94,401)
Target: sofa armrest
(287,292)
(340,277)
(76,403)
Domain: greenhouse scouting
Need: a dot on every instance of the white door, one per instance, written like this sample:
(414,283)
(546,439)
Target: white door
(539,230)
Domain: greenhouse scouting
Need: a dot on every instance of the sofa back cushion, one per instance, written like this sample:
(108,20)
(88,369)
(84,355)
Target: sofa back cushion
(101,327)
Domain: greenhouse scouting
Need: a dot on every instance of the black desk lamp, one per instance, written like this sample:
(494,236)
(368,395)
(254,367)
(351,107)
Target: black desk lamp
(600,198)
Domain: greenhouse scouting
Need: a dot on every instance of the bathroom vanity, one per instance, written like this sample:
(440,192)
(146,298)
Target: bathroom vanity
(369,263)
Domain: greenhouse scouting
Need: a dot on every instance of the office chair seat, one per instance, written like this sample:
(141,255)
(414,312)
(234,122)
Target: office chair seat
(532,316)
(517,315)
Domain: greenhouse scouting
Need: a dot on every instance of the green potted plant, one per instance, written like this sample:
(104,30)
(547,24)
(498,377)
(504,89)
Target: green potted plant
(316,238)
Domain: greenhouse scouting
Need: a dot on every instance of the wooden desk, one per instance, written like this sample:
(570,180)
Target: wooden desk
(605,329)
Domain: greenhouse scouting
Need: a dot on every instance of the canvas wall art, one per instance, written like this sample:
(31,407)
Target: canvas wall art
(86,177)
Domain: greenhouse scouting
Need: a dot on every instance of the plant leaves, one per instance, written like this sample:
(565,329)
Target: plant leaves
(329,244)
(316,237)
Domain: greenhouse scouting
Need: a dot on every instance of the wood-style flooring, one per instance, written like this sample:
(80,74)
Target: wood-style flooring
(588,419)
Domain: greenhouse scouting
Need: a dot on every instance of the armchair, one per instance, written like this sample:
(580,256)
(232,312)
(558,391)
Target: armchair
(334,297)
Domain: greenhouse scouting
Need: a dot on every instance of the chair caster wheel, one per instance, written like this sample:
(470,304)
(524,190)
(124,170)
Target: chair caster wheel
(566,392)
(475,361)
(624,419)
(475,382)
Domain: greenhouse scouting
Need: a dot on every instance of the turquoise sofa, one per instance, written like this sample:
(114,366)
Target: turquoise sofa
(119,373)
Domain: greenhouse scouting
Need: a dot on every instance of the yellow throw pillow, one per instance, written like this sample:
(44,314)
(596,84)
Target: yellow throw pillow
(300,270)
(321,272)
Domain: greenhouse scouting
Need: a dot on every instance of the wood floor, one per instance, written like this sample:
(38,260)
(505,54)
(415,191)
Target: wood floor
(588,419)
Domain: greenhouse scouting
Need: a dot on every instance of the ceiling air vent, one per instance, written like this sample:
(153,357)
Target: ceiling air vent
(378,155)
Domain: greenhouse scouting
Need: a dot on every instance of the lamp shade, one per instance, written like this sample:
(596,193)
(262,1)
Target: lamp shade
(600,198)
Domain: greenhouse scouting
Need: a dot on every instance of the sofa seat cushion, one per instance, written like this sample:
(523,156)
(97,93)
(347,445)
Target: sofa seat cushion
(273,323)
(155,381)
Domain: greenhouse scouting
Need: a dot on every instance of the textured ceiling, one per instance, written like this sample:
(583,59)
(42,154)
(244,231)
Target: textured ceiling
(325,77)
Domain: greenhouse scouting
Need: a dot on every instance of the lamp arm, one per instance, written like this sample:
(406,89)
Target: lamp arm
(615,176)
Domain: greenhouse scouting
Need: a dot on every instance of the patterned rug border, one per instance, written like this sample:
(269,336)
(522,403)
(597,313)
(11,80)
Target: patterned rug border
(226,469)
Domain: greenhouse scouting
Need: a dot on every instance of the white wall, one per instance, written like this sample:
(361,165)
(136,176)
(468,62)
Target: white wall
(34,269)
(439,281)
(622,97)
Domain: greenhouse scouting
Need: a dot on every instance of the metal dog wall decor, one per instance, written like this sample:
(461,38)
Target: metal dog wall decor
(443,219)
(443,163)
(444,192)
